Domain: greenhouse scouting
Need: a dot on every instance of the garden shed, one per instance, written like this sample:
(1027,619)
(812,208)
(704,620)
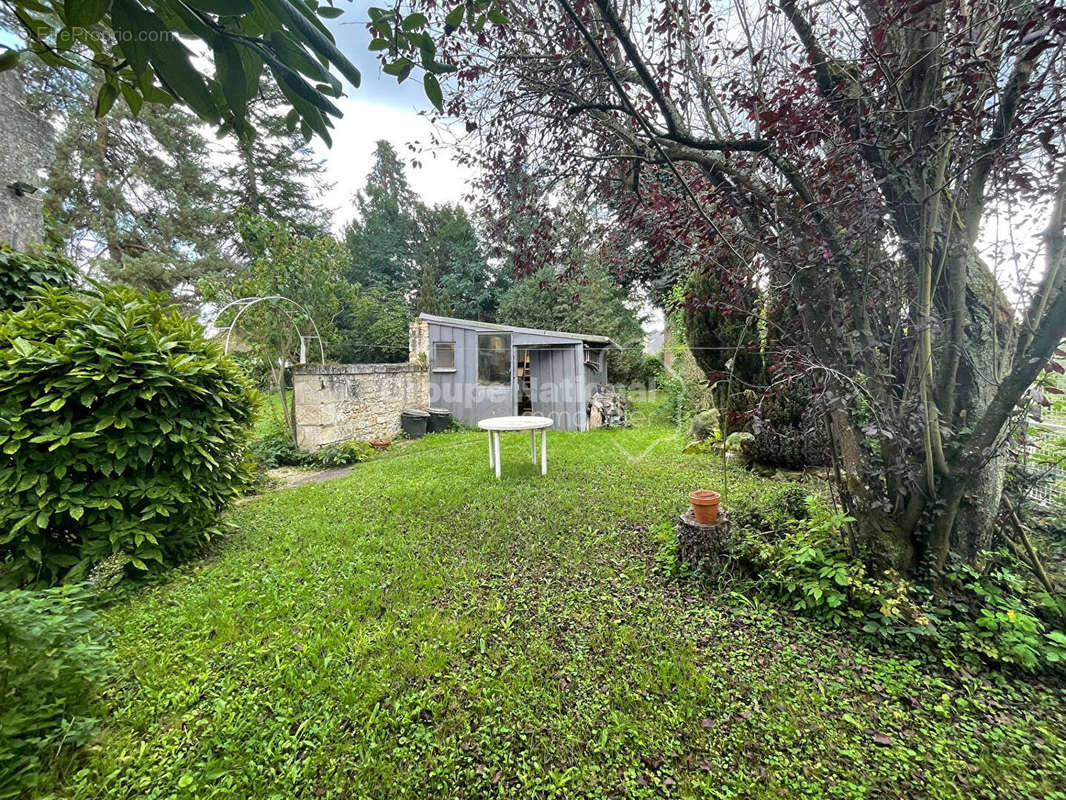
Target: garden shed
(481,369)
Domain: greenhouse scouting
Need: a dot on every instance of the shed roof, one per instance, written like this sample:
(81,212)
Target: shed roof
(492,326)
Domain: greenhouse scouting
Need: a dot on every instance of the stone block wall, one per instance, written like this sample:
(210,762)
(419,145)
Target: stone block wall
(337,402)
(418,341)
(26,150)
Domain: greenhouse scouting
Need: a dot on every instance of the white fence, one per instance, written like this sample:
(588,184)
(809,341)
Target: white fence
(1046,456)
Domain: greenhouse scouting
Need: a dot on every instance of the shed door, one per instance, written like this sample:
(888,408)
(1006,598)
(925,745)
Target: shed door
(553,387)
(494,390)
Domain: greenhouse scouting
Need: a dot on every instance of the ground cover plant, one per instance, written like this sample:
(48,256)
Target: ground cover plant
(419,629)
(53,661)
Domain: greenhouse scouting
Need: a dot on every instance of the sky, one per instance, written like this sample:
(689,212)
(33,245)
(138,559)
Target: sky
(381,109)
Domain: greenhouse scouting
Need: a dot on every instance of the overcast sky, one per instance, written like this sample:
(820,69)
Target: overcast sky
(381,109)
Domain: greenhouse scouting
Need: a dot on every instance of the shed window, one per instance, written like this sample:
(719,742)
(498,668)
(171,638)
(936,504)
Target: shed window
(443,356)
(493,358)
(592,358)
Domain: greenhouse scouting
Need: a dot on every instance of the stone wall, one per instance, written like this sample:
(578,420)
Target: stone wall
(26,150)
(418,341)
(338,402)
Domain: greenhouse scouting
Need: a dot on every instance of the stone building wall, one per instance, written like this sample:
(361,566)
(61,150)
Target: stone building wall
(26,151)
(338,402)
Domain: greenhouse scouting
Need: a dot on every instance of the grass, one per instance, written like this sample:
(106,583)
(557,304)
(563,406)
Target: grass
(419,629)
(269,418)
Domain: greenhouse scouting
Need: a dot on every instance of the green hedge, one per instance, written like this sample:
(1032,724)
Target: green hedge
(122,431)
(21,274)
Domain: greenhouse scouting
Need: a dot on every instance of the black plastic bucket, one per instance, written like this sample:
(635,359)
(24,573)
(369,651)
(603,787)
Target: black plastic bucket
(414,422)
(440,419)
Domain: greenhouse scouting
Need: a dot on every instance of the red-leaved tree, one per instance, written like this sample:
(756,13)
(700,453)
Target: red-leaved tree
(891,173)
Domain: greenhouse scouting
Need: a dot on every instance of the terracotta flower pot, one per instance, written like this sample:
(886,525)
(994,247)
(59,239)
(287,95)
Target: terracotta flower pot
(704,506)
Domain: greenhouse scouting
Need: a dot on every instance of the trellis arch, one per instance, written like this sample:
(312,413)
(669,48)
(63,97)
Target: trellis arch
(244,303)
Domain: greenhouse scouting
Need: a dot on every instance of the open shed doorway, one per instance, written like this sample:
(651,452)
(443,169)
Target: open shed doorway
(523,395)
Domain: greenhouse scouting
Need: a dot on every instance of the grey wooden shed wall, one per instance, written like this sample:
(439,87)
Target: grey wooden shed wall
(558,383)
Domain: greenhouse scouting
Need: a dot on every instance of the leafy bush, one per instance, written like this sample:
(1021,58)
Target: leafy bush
(21,274)
(789,429)
(53,663)
(648,373)
(122,429)
(739,442)
(341,454)
(774,512)
(705,424)
(684,388)
(991,616)
(277,450)
(997,616)
(257,371)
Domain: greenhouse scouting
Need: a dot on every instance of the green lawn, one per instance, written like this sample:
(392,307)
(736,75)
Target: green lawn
(269,417)
(419,630)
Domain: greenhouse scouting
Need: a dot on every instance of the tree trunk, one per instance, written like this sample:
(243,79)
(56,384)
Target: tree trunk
(983,344)
(103,192)
(251,177)
(878,534)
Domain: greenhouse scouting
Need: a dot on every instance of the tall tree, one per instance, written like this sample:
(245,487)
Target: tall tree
(855,155)
(137,198)
(381,239)
(136,50)
(583,299)
(273,172)
(305,272)
(454,268)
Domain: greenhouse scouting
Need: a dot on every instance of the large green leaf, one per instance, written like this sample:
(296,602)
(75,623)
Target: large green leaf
(105,99)
(129,16)
(289,78)
(133,99)
(9,59)
(454,19)
(222,7)
(291,52)
(84,13)
(310,117)
(310,28)
(433,91)
(171,62)
(229,72)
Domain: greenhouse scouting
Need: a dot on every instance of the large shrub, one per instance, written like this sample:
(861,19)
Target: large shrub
(21,274)
(122,431)
(51,666)
(789,428)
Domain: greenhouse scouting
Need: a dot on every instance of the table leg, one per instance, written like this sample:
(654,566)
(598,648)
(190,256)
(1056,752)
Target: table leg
(533,447)
(544,452)
(492,461)
(497,454)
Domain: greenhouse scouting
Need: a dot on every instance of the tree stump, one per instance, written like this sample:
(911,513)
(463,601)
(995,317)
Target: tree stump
(698,543)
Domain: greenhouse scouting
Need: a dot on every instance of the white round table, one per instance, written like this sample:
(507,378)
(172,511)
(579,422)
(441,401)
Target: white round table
(496,425)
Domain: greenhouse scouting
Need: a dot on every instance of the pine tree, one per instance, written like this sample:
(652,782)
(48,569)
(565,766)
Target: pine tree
(136,199)
(275,174)
(381,239)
